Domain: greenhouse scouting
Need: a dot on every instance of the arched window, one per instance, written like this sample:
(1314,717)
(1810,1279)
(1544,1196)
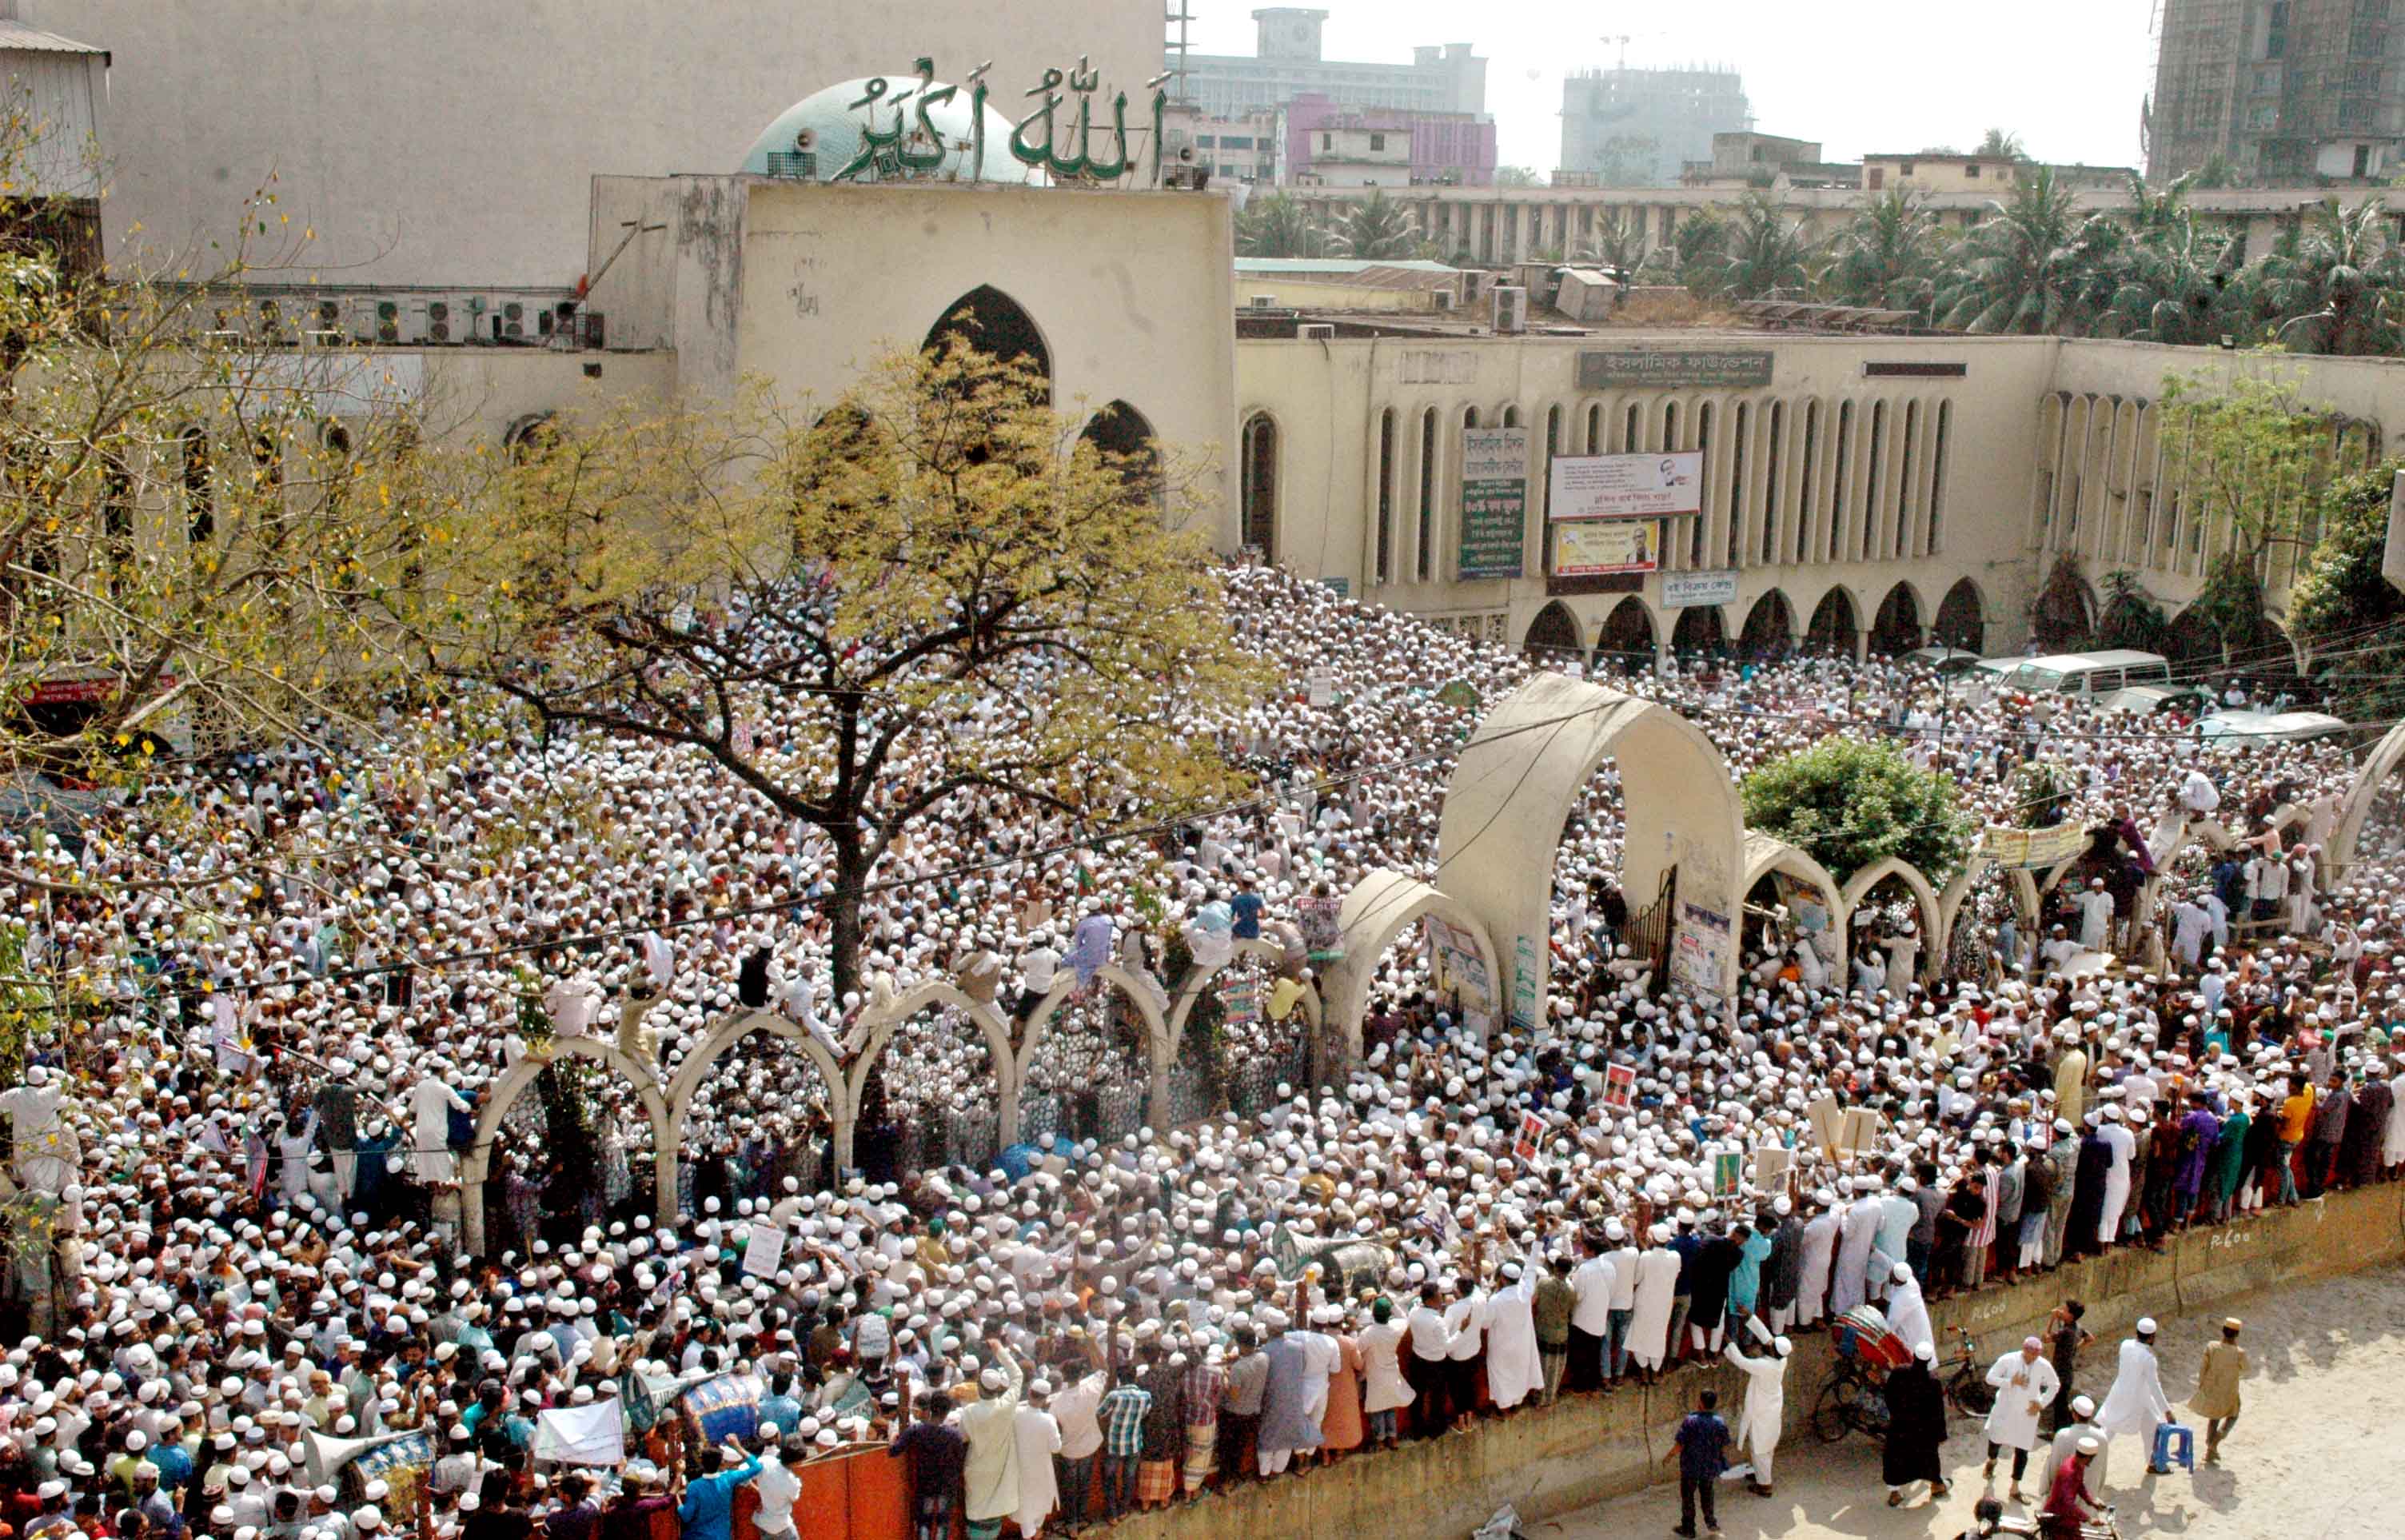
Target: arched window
(1424,565)
(1125,437)
(1386,568)
(200,491)
(1259,484)
(992,322)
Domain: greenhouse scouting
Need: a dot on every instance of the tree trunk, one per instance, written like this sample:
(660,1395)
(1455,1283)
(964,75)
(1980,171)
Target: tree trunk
(843,910)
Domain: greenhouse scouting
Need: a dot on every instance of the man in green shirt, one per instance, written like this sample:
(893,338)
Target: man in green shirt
(1551,1306)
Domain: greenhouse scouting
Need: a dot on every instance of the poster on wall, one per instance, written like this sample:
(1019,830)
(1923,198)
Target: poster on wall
(1457,960)
(1699,950)
(1604,547)
(1527,985)
(2033,848)
(1625,486)
(1320,920)
(1688,590)
(1494,502)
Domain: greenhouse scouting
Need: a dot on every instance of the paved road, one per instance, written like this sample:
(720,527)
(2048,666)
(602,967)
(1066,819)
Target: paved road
(2315,1454)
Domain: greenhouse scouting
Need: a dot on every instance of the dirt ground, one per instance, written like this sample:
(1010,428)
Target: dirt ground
(2313,1456)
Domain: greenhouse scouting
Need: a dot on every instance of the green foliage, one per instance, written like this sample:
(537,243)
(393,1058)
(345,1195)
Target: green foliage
(1850,804)
(1517,176)
(1279,225)
(1762,253)
(2042,792)
(2251,455)
(1617,240)
(2059,617)
(1377,229)
(2002,142)
(2231,605)
(2132,617)
(2343,610)
(1887,257)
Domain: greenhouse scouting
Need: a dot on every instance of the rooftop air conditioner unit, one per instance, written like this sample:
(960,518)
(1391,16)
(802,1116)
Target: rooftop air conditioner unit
(519,320)
(1264,302)
(443,322)
(1444,299)
(1510,310)
(376,319)
(1317,332)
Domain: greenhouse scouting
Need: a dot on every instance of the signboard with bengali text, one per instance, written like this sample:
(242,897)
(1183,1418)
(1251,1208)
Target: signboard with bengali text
(1626,485)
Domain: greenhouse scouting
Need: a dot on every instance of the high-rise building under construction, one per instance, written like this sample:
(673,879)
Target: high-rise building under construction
(2280,90)
(1628,127)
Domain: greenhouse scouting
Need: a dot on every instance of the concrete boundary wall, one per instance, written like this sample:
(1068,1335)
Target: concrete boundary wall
(1551,1460)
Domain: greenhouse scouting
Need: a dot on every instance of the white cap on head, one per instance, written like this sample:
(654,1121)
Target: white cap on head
(2145,1325)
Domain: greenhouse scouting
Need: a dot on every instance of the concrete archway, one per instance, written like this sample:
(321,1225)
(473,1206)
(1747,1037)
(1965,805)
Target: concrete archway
(1162,1047)
(1766,853)
(876,1030)
(475,1166)
(685,1089)
(1191,988)
(1380,908)
(1924,897)
(1513,788)
(1834,631)
(2356,809)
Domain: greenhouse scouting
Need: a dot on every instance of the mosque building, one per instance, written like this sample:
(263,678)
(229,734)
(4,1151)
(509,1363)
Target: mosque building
(595,218)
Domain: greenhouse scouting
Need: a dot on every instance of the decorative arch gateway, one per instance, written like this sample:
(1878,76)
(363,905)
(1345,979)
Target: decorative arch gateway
(1834,630)
(1933,935)
(875,1029)
(1161,1048)
(475,1168)
(2355,811)
(1961,618)
(1766,854)
(685,1089)
(1380,907)
(1513,788)
(1191,990)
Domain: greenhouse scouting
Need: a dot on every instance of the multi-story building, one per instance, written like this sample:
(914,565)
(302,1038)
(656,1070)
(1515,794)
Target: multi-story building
(1765,160)
(1289,62)
(1628,127)
(1321,145)
(2278,88)
(1234,149)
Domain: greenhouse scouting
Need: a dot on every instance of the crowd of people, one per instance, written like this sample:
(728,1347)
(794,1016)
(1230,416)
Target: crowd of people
(297,978)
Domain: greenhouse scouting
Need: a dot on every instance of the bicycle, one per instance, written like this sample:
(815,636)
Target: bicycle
(1967,1389)
(1854,1398)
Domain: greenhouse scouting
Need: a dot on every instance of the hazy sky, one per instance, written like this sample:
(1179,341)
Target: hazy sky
(1859,75)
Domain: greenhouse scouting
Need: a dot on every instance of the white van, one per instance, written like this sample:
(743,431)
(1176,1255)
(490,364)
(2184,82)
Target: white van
(2089,675)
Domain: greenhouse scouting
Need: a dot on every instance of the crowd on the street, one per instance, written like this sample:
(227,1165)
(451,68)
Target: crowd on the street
(298,979)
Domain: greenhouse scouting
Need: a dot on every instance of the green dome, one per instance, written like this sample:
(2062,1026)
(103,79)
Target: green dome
(833,125)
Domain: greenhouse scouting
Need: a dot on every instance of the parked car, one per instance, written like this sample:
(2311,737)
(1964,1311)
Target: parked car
(1948,661)
(2270,726)
(2089,674)
(2153,700)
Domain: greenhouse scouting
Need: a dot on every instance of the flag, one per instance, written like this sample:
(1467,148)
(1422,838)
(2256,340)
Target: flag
(593,1435)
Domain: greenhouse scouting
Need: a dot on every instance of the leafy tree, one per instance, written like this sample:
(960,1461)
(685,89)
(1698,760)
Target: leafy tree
(1517,176)
(2216,172)
(1849,803)
(2059,617)
(2342,610)
(1617,240)
(1887,257)
(1762,252)
(2002,142)
(2132,617)
(2335,284)
(2015,271)
(201,537)
(1377,228)
(1279,225)
(828,611)
(1699,251)
(2249,453)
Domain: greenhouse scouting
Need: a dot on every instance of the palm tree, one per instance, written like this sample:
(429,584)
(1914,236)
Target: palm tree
(1697,252)
(2335,285)
(1617,240)
(2172,285)
(1762,252)
(1886,256)
(2015,271)
(2001,142)
(1279,226)
(1377,229)
(2152,210)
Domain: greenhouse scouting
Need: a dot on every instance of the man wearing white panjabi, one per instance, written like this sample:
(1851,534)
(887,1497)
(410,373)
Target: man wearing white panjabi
(1908,1314)
(1765,1410)
(1657,1280)
(431,1106)
(2025,1383)
(2124,1145)
(1512,1370)
(1858,1233)
(2095,908)
(1819,1248)
(1039,1440)
(2136,1405)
